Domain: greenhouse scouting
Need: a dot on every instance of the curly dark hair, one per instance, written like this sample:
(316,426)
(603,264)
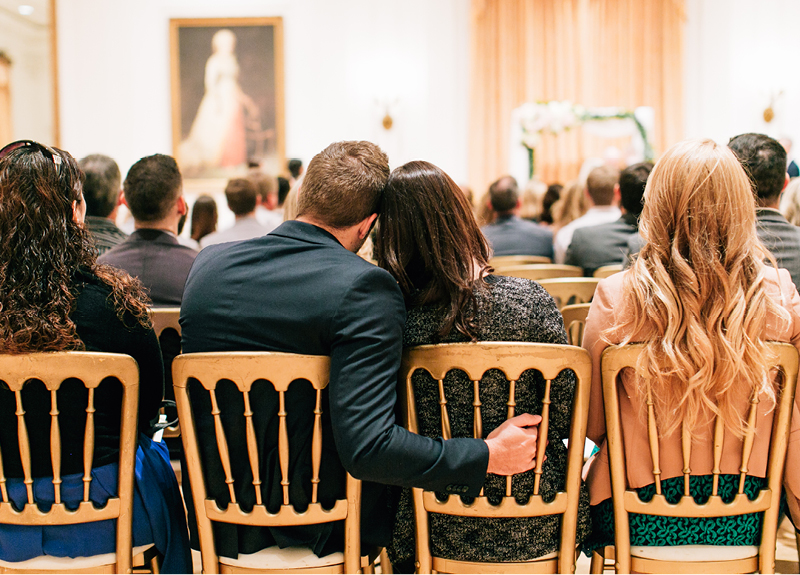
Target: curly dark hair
(427,238)
(42,250)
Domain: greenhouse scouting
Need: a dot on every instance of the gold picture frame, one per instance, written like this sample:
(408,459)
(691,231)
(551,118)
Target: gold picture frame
(227,97)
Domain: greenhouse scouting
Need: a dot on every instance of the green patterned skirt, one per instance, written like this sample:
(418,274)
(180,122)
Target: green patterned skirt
(655,530)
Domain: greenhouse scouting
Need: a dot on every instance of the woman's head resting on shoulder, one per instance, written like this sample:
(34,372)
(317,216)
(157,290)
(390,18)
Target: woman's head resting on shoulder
(43,245)
(695,295)
(427,238)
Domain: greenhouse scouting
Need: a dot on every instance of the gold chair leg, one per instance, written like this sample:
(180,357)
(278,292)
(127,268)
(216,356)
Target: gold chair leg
(598,561)
(386,565)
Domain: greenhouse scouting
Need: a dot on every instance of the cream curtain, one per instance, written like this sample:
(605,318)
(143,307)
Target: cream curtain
(592,52)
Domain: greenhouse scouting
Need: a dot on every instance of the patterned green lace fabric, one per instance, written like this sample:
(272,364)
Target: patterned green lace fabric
(655,530)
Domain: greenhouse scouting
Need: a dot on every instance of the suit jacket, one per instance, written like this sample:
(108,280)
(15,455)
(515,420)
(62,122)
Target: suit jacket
(608,310)
(781,238)
(601,245)
(298,290)
(513,236)
(158,260)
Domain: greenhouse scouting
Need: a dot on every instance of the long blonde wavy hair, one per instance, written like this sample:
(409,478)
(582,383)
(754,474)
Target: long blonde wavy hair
(696,291)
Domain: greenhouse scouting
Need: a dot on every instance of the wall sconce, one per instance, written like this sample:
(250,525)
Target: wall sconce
(387,121)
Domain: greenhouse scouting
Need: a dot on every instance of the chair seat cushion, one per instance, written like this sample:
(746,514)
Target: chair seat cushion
(51,563)
(695,552)
(288,558)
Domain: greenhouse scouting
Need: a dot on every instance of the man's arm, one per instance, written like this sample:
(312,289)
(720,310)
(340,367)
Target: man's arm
(365,357)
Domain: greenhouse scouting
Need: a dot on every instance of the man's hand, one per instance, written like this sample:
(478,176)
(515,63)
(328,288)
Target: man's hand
(512,446)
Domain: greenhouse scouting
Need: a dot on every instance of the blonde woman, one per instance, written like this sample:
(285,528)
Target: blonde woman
(704,302)
(571,205)
(790,202)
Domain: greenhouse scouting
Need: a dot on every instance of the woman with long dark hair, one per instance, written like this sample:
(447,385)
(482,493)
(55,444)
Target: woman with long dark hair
(55,297)
(427,238)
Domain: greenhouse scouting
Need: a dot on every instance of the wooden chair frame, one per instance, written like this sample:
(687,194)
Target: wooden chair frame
(498,262)
(91,368)
(606,271)
(513,359)
(574,321)
(627,501)
(243,368)
(167,318)
(564,289)
(540,271)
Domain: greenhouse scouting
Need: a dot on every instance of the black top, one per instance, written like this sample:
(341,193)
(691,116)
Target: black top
(513,309)
(100,330)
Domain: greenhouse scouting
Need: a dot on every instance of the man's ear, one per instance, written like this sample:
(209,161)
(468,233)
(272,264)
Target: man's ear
(617,194)
(122,201)
(183,208)
(366,225)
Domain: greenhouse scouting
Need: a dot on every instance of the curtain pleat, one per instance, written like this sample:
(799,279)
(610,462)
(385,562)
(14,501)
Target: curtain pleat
(592,52)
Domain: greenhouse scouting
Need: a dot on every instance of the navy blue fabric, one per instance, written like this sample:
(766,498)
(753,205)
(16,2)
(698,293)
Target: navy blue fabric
(158,515)
(513,236)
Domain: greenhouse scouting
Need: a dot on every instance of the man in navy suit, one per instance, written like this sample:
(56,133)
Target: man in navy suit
(303,289)
(510,235)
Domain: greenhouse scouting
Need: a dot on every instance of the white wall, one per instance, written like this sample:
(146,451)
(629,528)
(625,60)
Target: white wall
(341,57)
(739,54)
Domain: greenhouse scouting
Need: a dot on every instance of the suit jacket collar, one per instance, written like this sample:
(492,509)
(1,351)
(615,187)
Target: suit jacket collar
(305,232)
(630,219)
(770,214)
(153,235)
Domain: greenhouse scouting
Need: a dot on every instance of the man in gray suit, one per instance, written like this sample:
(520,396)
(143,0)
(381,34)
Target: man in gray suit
(607,244)
(510,235)
(153,192)
(764,160)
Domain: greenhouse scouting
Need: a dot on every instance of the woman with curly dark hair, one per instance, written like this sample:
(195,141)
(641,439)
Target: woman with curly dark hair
(55,297)
(428,239)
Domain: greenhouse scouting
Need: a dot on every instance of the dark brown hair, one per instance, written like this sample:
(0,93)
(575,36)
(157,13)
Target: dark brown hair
(41,251)
(152,186)
(600,185)
(343,184)
(427,238)
(242,195)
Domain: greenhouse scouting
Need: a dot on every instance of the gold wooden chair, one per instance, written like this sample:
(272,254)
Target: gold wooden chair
(574,321)
(606,271)
(568,291)
(540,271)
(692,558)
(91,368)
(281,369)
(166,318)
(513,359)
(498,262)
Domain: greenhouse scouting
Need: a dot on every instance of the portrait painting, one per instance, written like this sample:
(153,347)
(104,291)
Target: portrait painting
(227,95)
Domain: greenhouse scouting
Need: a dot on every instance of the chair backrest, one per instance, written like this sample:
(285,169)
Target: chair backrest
(574,321)
(498,262)
(243,369)
(512,359)
(567,291)
(91,368)
(540,271)
(625,500)
(165,319)
(605,271)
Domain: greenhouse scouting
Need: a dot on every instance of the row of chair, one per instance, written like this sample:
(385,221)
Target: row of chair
(537,268)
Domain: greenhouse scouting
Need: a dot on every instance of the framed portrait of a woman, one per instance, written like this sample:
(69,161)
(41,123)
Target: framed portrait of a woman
(227,96)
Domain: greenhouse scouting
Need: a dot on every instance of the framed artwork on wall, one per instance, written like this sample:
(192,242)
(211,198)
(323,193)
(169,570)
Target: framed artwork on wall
(227,96)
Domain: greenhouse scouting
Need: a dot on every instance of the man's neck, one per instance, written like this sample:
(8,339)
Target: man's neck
(245,216)
(342,235)
(163,225)
(769,205)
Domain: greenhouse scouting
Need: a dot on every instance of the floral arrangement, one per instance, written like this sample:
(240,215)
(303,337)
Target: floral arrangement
(556,116)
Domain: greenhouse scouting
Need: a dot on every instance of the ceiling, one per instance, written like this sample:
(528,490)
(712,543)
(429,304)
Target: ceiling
(39,17)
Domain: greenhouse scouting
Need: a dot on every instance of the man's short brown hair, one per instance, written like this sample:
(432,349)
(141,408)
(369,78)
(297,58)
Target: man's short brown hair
(241,194)
(344,183)
(600,185)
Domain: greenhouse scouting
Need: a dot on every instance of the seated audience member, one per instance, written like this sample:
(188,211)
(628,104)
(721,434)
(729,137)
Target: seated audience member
(242,196)
(308,292)
(531,200)
(56,297)
(427,238)
(571,205)
(510,235)
(607,244)
(154,194)
(764,159)
(267,203)
(790,202)
(204,217)
(283,190)
(295,167)
(792,169)
(467,191)
(551,196)
(602,193)
(703,301)
(103,192)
